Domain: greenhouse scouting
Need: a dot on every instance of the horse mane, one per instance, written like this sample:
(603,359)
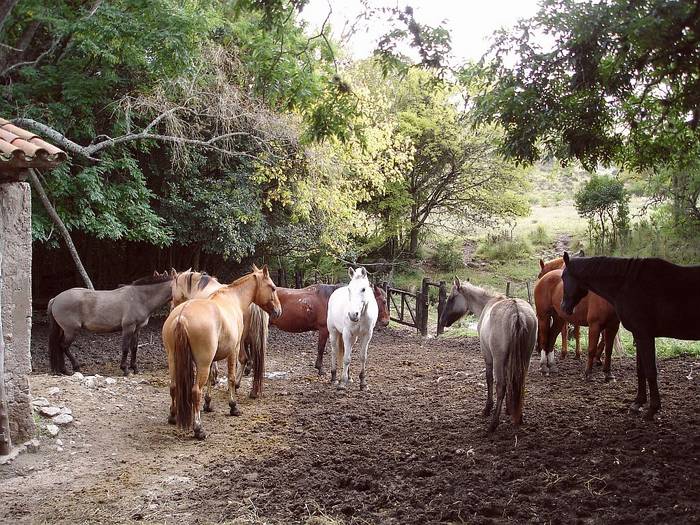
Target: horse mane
(602,266)
(151,279)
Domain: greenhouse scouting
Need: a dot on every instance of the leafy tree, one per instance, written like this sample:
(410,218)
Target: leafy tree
(608,81)
(604,202)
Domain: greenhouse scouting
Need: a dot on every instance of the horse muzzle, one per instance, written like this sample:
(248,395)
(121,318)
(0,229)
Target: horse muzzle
(354,316)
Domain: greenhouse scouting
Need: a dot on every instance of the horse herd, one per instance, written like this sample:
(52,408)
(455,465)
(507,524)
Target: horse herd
(210,321)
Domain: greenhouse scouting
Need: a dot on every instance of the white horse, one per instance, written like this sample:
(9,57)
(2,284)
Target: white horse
(507,333)
(352,314)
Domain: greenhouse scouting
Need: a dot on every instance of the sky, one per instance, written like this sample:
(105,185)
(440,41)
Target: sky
(471,22)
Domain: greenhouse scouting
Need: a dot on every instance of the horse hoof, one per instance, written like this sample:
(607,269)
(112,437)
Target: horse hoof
(253,395)
(171,420)
(135,370)
(492,427)
(207,407)
(363,387)
(341,386)
(649,415)
(200,434)
(609,377)
(125,372)
(235,411)
(635,407)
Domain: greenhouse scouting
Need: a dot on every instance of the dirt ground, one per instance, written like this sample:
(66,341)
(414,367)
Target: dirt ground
(413,449)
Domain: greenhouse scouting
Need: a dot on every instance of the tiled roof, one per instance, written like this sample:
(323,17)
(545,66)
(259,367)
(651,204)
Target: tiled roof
(21,149)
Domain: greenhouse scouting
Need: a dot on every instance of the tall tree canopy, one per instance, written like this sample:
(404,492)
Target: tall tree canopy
(604,81)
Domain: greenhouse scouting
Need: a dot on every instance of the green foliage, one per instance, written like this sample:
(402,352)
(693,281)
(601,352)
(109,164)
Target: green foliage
(540,236)
(615,82)
(447,255)
(604,202)
(504,250)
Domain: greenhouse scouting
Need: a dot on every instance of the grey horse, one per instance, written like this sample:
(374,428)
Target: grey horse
(126,308)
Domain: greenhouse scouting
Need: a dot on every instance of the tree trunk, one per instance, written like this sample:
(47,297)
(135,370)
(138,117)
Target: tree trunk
(413,244)
(5,441)
(36,184)
(5,10)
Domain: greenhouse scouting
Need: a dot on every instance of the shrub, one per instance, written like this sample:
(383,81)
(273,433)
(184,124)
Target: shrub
(448,255)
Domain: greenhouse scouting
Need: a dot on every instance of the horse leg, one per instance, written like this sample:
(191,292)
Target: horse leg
(233,406)
(73,361)
(564,339)
(593,336)
(543,323)
(207,393)
(601,347)
(322,339)
(347,350)
(364,347)
(173,388)
(577,336)
(500,377)
(641,398)
(200,381)
(549,350)
(646,347)
(609,340)
(248,351)
(489,383)
(134,348)
(127,334)
(336,354)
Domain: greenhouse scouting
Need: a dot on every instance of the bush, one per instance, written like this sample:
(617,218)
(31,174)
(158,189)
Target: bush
(539,236)
(448,255)
(504,250)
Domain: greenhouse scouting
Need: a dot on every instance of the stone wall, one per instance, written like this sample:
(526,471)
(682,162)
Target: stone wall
(16,232)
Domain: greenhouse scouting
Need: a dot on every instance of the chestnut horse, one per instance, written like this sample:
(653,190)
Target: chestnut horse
(555,264)
(200,331)
(197,285)
(306,310)
(653,297)
(593,311)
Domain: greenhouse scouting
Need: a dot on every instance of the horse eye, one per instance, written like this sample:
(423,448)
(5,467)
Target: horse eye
(363,290)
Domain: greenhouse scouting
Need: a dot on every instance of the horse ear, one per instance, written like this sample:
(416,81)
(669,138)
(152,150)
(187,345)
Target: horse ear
(566,258)
(363,271)
(351,272)
(581,253)
(255,268)
(173,272)
(265,271)
(188,270)
(457,283)
(541,264)
(155,273)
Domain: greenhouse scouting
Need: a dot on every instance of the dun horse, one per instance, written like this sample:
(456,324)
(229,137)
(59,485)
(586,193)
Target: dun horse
(200,331)
(352,314)
(306,310)
(652,297)
(195,285)
(127,308)
(507,334)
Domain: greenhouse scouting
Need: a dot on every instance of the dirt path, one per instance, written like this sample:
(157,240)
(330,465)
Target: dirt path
(411,450)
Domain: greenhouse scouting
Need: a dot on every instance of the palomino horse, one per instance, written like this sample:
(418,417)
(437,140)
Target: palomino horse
(352,314)
(306,310)
(507,333)
(652,297)
(196,285)
(126,308)
(556,264)
(200,331)
(594,312)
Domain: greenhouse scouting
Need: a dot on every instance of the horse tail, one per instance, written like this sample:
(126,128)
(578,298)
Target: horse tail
(516,367)
(56,359)
(184,376)
(257,335)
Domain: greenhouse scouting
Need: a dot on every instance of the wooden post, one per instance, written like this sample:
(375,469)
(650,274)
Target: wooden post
(508,289)
(5,440)
(442,302)
(385,286)
(298,279)
(423,298)
(279,278)
(529,292)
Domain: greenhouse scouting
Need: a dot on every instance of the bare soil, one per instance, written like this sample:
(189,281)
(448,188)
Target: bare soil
(413,449)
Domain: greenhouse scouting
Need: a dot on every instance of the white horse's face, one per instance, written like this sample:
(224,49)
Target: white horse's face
(360,292)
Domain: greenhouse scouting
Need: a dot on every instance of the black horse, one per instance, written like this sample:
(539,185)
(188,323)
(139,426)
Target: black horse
(652,297)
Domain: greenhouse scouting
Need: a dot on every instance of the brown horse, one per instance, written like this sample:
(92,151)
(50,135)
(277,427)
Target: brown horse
(198,285)
(200,331)
(306,310)
(593,311)
(545,268)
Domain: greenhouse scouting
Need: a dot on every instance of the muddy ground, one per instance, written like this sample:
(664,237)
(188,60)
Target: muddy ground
(413,449)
